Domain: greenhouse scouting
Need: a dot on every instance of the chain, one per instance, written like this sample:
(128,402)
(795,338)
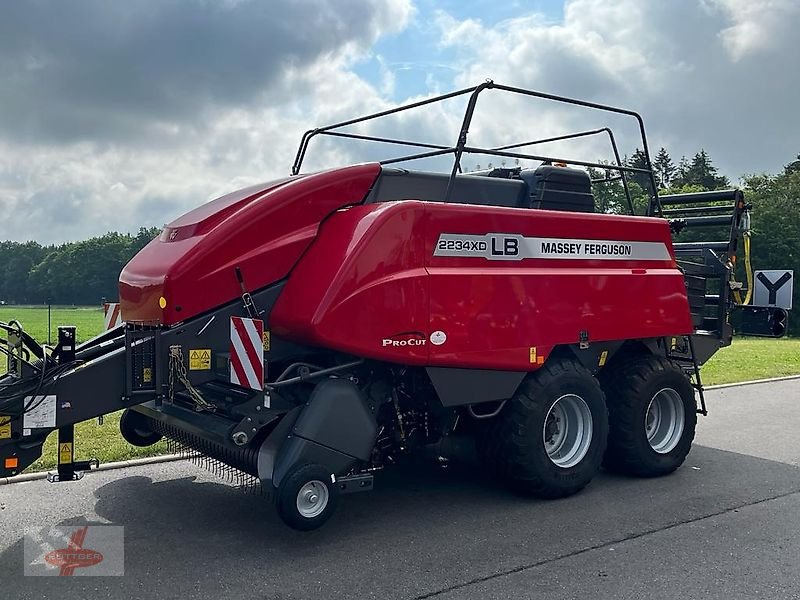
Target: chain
(174,354)
(178,369)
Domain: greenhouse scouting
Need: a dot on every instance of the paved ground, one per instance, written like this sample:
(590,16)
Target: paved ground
(726,525)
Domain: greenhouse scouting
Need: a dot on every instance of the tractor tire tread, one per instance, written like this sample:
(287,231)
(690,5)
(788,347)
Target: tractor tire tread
(624,385)
(507,447)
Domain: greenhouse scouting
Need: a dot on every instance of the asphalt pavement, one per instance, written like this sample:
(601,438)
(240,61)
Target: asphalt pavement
(726,525)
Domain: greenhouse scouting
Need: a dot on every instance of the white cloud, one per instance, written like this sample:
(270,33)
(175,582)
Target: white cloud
(119,143)
(718,74)
(109,164)
(757,25)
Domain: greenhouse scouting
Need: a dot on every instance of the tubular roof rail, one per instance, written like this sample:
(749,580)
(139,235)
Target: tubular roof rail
(461,147)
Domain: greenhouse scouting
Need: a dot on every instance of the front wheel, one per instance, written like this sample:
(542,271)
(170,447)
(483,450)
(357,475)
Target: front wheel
(550,437)
(135,429)
(652,416)
(307,497)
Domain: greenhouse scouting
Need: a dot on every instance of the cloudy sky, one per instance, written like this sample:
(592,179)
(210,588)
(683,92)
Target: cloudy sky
(115,115)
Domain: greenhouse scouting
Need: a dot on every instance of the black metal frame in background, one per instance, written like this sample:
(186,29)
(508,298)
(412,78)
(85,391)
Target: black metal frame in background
(461,147)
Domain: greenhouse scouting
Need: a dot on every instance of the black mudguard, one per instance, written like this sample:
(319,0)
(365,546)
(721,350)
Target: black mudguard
(459,387)
(335,429)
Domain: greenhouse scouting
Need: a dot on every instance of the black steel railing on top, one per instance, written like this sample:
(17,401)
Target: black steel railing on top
(460,148)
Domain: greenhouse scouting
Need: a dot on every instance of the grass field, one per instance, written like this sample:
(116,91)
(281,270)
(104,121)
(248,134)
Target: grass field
(88,320)
(746,359)
(753,358)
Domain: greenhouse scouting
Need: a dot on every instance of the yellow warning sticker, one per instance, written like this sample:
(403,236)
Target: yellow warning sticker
(533,355)
(147,375)
(64,453)
(603,358)
(266,341)
(5,428)
(200,360)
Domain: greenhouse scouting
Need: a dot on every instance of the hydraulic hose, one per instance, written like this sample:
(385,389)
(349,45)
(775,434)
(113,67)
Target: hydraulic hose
(747,265)
(16,327)
(31,387)
(748,268)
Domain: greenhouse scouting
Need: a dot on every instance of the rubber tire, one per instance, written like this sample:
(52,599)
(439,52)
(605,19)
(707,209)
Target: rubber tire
(512,446)
(629,388)
(135,429)
(286,497)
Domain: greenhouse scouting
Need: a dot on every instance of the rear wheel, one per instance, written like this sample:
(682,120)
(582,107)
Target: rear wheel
(652,416)
(135,429)
(549,439)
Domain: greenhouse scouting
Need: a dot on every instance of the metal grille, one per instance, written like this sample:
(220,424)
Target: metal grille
(142,341)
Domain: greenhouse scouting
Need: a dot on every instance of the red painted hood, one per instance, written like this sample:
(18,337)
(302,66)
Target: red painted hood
(263,230)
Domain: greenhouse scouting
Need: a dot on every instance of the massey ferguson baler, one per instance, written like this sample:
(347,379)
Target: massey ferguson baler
(311,331)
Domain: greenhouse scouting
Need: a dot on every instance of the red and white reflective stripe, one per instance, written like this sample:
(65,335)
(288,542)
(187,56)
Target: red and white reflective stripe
(247,353)
(113,315)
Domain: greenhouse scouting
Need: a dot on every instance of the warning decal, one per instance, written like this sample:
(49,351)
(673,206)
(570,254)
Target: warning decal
(247,352)
(265,338)
(5,428)
(200,360)
(41,414)
(64,453)
(113,315)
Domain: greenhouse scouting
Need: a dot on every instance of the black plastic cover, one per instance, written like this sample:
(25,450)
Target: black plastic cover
(559,188)
(337,416)
(764,321)
(400,184)
(296,451)
(458,387)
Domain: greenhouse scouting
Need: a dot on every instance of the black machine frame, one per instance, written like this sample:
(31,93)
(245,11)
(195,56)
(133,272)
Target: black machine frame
(461,147)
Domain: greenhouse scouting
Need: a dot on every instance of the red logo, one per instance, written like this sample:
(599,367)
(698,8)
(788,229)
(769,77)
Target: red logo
(74,556)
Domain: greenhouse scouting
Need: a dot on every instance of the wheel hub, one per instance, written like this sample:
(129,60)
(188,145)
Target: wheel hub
(551,428)
(664,420)
(312,499)
(567,431)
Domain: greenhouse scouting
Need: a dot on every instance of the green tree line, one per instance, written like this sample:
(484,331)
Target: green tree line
(73,273)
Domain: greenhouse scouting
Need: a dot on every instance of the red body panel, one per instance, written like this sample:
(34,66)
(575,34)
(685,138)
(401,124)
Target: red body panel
(373,280)
(363,279)
(494,312)
(263,230)
(371,276)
